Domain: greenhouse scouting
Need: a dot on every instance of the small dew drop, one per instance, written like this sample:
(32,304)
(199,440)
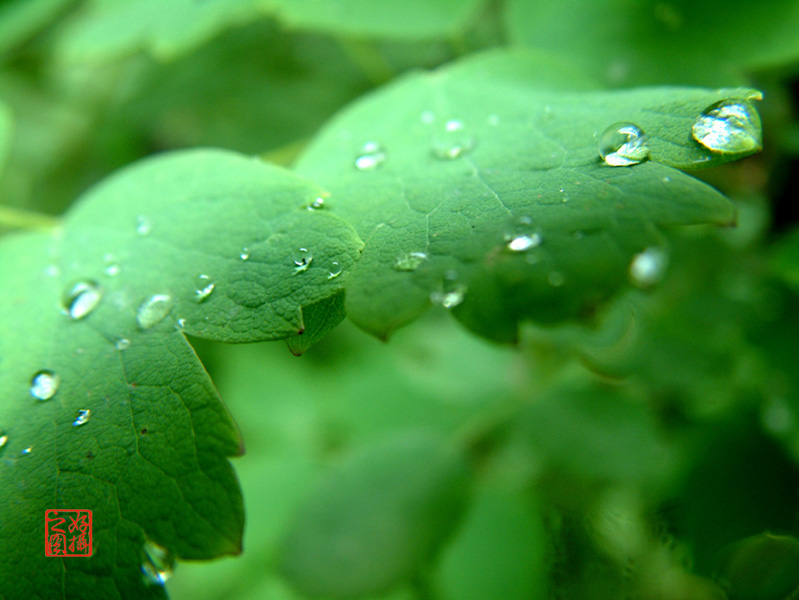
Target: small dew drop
(3,438)
(371,156)
(564,195)
(245,254)
(452,291)
(44,384)
(522,235)
(317,204)
(153,310)
(728,127)
(203,287)
(122,344)
(26,451)
(111,265)
(81,298)
(335,270)
(648,268)
(84,414)
(302,260)
(556,279)
(181,323)
(143,225)
(453,140)
(158,564)
(409,261)
(623,145)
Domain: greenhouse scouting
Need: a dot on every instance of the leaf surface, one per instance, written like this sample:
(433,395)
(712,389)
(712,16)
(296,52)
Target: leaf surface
(5,134)
(150,460)
(439,172)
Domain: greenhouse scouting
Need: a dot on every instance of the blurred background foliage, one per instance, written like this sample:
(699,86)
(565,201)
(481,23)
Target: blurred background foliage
(653,454)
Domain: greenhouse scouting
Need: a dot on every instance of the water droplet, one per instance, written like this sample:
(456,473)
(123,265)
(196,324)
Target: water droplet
(427,117)
(203,286)
(26,451)
(181,323)
(452,291)
(622,145)
(317,204)
(335,270)
(122,344)
(371,156)
(44,384)
(556,279)
(453,140)
(649,267)
(153,310)
(3,438)
(666,179)
(111,266)
(143,225)
(158,563)
(564,195)
(302,260)
(409,261)
(522,235)
(245,254)
(727,127)
(84,414)
(81,298)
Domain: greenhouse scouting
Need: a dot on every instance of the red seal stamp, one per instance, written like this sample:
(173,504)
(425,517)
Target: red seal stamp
(68,532)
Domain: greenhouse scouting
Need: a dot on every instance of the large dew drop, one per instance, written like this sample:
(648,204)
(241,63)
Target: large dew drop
(622,145)
(84,414)
(371,156)
(3,438)
(453,141)
(335,270)
(409,261)
(81,298)
(522,235)
(203,286)
(452,291)
(648,268)
(153,310)
(158,564)
(728,127)
(44,384)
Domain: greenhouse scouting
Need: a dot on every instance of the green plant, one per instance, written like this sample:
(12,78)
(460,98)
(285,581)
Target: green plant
(615,412)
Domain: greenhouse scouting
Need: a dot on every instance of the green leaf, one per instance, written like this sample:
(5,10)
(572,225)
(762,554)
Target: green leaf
(20,19)
(111,29)
(150,460)
(437,206)
(399,19)
(319,319)
(374,520)
(678,42)
(785,259)
(761,567)
(498,553)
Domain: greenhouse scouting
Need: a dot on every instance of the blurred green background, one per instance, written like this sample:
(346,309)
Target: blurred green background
(652,454)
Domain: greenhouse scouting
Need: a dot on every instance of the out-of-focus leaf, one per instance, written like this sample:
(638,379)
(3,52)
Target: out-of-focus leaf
(5,133)
(20,19)
(499,552)
(675,42)
(400,19)
(374,520)
(761,567)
